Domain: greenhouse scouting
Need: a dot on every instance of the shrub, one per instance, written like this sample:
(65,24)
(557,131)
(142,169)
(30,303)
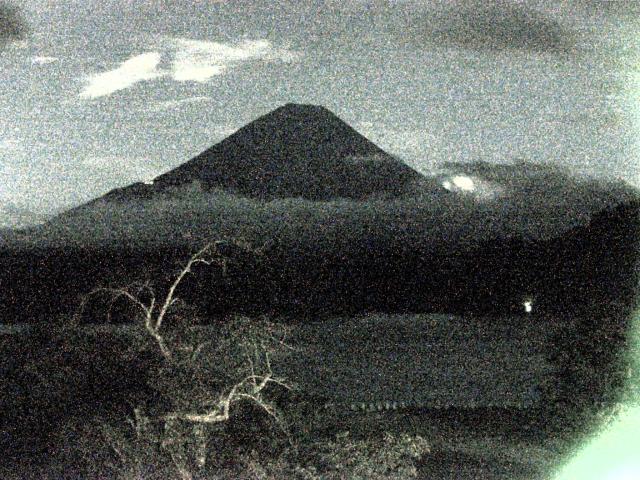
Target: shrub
(387,457)
(202,383)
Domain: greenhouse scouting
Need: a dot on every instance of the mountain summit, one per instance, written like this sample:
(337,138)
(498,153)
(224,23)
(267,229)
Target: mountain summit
(295,151)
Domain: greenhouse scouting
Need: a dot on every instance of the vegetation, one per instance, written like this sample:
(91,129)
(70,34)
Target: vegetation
(164,399)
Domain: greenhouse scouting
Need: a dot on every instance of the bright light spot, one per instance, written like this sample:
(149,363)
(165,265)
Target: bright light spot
(459,182)
(464,183)
(528,306)
(473,187)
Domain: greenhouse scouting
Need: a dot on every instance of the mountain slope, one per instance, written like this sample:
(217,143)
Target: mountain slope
(295,151)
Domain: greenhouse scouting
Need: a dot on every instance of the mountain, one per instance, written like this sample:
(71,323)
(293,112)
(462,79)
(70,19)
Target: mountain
(294,151)
(470,236)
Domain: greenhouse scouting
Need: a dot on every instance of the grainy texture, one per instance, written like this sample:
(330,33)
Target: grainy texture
(423,360)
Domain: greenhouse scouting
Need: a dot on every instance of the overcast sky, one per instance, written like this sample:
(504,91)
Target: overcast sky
(96,94)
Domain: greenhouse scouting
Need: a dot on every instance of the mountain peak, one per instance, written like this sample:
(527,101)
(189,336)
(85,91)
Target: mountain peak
(302,108)
(296,150)
(303,111)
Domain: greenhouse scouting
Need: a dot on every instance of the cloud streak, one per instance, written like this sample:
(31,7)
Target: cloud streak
(198,61)
(195,61)
(42,60)
(137,69)
(10,144)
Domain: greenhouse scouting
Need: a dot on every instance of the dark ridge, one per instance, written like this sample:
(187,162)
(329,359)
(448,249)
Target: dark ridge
(353,268)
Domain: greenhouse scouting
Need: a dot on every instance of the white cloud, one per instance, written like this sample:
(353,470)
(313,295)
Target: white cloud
(136,69)
(10,144)
(197,73)
(190,61)
(199,61)
(43,60)
(20,45)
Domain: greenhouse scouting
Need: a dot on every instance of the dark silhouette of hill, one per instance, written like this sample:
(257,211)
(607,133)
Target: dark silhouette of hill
(368,233)
(586,278)
(369,259)
(294,151)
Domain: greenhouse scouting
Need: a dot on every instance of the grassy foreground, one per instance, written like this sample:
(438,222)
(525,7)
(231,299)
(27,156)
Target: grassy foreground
(94,404)
(165,399)
(98,403)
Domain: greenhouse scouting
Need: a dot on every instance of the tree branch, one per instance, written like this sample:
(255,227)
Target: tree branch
(187,269)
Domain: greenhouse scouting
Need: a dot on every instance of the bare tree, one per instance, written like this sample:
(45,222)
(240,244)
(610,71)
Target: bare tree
(252,373)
